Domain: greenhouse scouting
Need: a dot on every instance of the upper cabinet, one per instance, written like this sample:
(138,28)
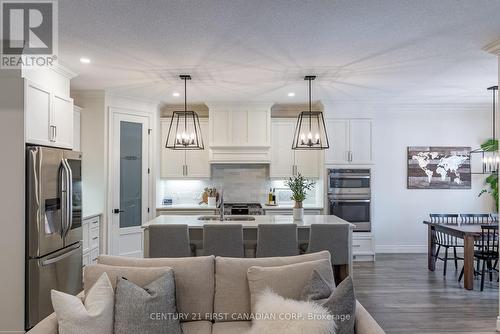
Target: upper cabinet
(286,162)
(184,164)
(350,141)
(49,117)
(48,107)
(240,133)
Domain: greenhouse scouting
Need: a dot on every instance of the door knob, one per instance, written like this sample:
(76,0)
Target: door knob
(117,211)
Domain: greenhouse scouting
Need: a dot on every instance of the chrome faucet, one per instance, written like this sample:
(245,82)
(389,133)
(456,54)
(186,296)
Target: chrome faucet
(221,206)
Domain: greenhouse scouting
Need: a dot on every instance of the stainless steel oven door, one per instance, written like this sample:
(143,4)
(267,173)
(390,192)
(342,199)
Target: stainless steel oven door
(349,184)
(356,211)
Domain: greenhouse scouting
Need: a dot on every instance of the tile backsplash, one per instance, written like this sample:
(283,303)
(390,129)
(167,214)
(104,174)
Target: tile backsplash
(241,183)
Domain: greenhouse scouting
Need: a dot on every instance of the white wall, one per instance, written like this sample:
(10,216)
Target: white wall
(12,202)
(398,212)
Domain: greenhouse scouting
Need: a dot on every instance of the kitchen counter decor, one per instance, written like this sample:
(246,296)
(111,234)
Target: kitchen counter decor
(299,187)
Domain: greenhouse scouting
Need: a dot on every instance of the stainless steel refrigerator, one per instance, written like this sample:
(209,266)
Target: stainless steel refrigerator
(53,228)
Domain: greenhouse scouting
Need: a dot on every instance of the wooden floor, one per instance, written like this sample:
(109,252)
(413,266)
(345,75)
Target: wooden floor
(404,297)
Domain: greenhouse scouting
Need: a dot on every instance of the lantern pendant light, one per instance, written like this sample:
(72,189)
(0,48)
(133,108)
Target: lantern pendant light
(488,153)
(310,131)
(184,132)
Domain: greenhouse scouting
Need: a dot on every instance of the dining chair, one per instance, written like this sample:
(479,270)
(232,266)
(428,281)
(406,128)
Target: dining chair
(331,237)
(169,240)
(487,252)
(445,240)
(223,240)
(277,240)
(475,218)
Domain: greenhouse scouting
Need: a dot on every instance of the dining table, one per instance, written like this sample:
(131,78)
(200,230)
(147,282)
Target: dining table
(469,233)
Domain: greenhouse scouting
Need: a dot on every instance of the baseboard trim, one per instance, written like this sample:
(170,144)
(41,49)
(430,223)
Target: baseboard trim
(394,249)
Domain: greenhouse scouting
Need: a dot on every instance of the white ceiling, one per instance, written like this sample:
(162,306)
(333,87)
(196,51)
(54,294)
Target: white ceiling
(382,50)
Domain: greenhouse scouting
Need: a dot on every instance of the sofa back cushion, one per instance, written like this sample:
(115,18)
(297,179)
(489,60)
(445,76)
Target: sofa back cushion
(139,276)
(194,281)
(232,294)
(288,281)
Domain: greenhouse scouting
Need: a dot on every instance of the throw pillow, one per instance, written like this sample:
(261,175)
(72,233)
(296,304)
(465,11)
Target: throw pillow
(341,303)
(277,315)
(288,280)
(148,310)
(95,315)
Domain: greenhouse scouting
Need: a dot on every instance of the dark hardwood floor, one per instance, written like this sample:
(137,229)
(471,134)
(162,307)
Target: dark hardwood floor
(404,297)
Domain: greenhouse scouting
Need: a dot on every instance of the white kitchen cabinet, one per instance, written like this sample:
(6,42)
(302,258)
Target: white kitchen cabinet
(49,117)
(91,238)
(286,162)
(77,114)
(363,247)
(177,164)
(350,141)
(37,109)
(62,120)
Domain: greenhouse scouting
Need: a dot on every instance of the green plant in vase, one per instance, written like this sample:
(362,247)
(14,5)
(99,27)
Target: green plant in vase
(491,145)
(299,186)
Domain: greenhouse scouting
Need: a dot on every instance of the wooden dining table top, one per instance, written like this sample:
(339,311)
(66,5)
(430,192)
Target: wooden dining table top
(464,229)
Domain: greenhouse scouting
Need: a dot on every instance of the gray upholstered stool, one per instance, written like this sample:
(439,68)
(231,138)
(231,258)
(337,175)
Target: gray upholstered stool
(169,240)
(223,240)
(277,240)
(330,237)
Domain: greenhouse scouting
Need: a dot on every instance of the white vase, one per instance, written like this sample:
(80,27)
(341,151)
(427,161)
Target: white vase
(298,213)
(212,201)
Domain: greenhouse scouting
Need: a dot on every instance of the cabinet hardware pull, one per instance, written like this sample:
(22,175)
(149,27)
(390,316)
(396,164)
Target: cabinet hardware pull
(95,238)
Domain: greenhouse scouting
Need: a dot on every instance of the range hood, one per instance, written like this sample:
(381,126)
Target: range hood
(240,133)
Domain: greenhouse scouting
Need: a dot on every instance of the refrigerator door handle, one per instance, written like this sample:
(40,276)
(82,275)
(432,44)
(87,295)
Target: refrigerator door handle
(62,256)
(64,198)
(69,197)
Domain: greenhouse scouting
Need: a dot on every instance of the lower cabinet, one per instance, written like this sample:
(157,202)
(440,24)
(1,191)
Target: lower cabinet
(91,238)
(179,212)
(363,247)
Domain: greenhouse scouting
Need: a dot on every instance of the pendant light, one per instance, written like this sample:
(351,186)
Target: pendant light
(489,154)
(184,132)
(310,131)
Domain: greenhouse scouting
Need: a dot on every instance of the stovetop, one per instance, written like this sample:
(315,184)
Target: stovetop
(243,208)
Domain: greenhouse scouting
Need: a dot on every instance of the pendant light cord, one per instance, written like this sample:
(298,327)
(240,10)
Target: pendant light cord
(185,104)
(310,111)
(494,110)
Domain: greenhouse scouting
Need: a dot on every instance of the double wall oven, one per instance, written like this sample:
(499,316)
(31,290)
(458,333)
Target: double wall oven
(349,196)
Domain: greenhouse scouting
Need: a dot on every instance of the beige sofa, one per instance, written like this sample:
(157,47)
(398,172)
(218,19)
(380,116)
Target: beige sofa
(213,292)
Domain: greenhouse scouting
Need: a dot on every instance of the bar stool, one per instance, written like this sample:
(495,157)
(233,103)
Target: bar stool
(277,240)
(331,237)
(169,240)
(475,218)
(223,240)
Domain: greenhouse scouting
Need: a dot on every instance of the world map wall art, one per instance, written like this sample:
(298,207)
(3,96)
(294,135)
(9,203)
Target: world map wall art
(439,167)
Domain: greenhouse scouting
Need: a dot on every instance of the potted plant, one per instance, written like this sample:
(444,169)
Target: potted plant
(491,145)
(299,187)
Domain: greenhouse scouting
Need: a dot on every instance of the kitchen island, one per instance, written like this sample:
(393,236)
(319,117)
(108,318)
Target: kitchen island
(196,223)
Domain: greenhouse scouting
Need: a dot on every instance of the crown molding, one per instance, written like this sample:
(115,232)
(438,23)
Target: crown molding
(493,47)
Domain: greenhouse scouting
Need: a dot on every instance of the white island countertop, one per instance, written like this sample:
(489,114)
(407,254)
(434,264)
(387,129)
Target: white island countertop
(194,222)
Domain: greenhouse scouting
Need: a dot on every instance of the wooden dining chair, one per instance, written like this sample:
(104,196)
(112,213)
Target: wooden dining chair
(475,218)
(445,240)
(487,252)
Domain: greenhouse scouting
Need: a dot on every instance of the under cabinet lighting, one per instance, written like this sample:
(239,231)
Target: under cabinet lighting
(291,94)
(84,60)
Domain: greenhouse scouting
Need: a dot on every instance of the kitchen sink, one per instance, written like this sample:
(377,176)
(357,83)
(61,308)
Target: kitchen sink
(227,218)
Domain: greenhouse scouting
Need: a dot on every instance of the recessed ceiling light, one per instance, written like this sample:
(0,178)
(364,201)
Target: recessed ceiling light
(291,94)
(176,94)
(85,60)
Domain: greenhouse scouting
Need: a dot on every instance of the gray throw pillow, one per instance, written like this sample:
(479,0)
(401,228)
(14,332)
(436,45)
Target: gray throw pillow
(148,310)
(341,303)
